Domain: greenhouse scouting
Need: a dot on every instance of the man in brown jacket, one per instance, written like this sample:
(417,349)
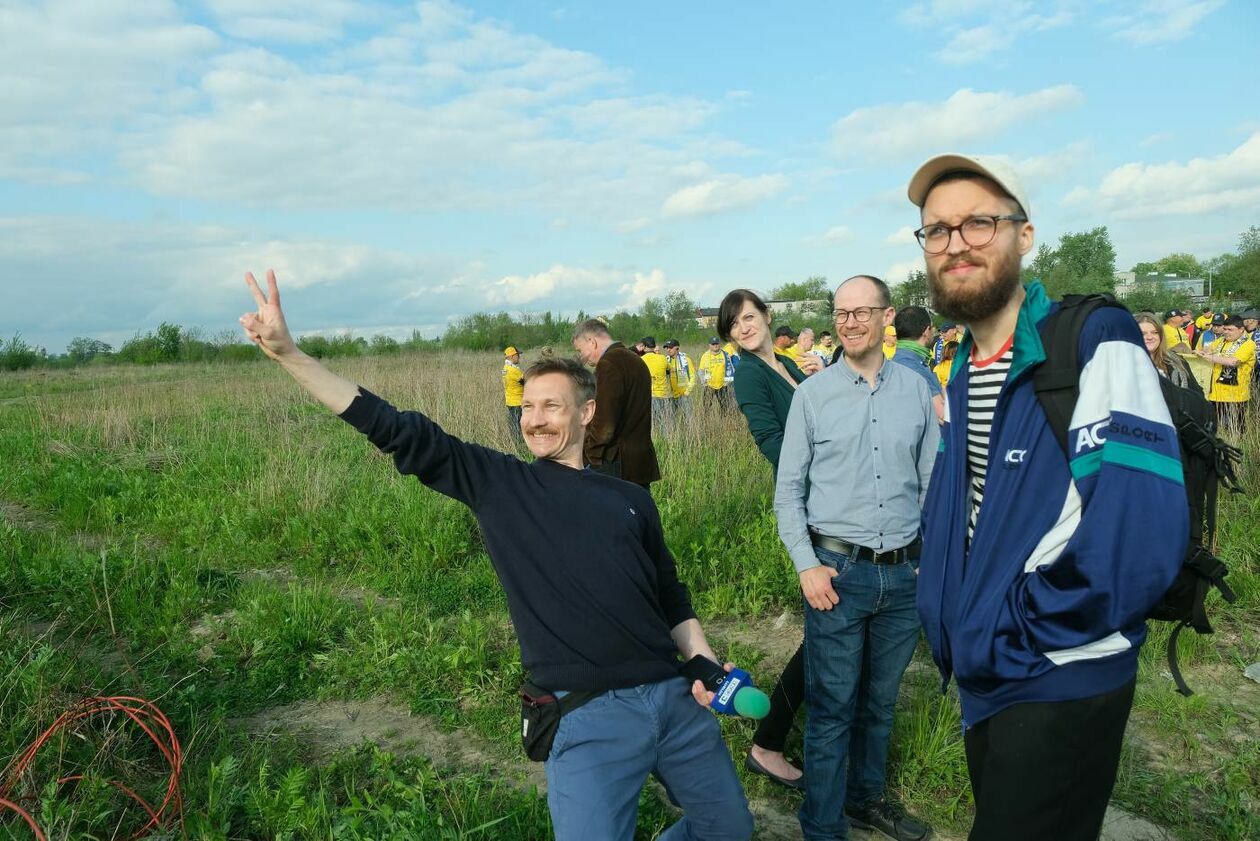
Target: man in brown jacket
(619,437)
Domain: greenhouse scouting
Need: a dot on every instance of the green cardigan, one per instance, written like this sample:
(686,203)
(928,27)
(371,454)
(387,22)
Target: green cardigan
(765,397)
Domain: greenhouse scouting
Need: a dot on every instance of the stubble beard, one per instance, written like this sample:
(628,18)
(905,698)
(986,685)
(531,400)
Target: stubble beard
(969,303)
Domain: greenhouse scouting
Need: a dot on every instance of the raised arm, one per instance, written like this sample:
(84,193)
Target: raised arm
(268,329)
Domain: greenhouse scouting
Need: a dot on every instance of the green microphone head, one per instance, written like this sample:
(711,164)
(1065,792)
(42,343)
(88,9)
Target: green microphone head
(751,702)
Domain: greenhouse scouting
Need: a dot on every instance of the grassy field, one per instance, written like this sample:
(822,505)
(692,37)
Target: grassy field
(332,647)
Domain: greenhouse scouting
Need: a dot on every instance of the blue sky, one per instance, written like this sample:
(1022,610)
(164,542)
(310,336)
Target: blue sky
(401,165)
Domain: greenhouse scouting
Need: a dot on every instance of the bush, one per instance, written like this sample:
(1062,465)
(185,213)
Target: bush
(17,355)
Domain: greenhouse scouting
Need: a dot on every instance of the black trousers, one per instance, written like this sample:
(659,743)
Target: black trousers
(1044,771)
(788,697)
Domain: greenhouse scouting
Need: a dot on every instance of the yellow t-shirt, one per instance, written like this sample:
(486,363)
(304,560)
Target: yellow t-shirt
(1245,353)
(682,374)
(889,350)
(513,384)
(942,371)
(714,367)
(658,365)
(730,348)
(1174,336)
(1203,321)
(792,352)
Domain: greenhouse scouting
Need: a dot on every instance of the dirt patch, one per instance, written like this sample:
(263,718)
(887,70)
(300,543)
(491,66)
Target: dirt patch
(777,638)
(331,726)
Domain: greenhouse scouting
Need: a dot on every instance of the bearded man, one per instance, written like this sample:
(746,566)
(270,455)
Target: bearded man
(1037,575)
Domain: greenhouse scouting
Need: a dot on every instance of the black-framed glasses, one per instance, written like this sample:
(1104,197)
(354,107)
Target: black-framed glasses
(860,314)
(976,231)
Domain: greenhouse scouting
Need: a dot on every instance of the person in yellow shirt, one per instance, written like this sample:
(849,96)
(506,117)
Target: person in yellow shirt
(1173,334)
(682,378)
(890,341)
(513,389)
(942,368)
(662,392)
(731,351)
(785,343)
(717,372)
(1233,358)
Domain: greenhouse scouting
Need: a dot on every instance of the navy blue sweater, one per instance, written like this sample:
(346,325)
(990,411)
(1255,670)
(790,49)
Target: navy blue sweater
(591,587)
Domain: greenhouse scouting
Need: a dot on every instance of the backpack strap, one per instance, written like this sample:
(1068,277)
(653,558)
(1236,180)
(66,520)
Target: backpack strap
(1057,380)
(1174,668)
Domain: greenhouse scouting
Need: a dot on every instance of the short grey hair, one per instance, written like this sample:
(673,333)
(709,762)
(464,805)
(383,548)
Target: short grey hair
(591,327)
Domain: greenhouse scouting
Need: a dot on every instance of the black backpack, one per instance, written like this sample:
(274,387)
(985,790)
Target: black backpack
(1206,460)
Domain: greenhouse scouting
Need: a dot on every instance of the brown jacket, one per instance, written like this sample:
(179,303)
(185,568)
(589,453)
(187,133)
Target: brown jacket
(619,437)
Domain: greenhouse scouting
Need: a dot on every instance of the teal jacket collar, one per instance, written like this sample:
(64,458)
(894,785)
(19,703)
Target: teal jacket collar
(1028,348)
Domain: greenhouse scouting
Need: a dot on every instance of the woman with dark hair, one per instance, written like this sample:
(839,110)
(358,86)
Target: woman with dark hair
(764,385)
(1167,362)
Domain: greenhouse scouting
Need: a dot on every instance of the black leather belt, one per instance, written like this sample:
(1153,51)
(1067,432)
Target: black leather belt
(909,552)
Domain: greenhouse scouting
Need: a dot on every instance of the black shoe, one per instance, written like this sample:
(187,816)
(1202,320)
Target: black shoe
(892,821)
(757,768)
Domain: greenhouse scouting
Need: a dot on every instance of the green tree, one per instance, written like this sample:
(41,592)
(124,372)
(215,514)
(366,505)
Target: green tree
(1182,265)
(1148,295)
(1144,269)
(82,349)
(1083,262)
(912,292)
(811,289)
(168,340)
(17,355)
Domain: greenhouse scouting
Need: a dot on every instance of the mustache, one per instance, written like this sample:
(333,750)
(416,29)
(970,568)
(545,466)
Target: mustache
(961,261)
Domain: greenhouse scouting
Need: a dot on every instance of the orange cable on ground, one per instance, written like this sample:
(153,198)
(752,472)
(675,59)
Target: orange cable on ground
(144,715)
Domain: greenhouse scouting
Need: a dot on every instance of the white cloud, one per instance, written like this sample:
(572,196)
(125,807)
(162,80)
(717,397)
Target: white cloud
(718,195)
(979,28)
(899,272)
(899,131)
(1157,137)
(1161,21)
(74,74)
(1230,181)
(298,21)
(422,109)
(630,226)
(902,236)
(834,235)
(120,278)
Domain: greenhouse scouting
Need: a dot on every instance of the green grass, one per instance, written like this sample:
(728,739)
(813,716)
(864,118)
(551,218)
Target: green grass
(209,538)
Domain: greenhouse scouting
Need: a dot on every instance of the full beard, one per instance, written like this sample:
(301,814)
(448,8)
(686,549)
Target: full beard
(970,303)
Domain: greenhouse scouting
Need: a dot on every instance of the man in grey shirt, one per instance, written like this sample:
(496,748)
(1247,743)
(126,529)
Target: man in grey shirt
(858,449)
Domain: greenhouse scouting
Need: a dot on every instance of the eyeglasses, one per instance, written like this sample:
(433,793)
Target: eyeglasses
(860,314)
(976,231)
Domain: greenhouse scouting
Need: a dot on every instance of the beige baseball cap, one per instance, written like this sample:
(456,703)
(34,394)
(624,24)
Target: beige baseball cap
(986,165)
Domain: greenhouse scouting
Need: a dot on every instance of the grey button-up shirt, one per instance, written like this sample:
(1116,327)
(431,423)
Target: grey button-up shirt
(856,460)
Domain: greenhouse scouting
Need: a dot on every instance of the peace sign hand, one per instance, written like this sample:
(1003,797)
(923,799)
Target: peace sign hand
(267,328)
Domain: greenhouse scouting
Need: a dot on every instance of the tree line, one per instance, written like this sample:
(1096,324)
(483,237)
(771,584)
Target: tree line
(1080,262)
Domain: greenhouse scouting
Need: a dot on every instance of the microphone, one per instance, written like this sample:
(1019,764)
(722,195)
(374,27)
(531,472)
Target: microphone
(735,693)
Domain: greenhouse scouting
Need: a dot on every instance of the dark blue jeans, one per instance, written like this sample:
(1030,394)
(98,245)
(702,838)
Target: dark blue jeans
(855,655)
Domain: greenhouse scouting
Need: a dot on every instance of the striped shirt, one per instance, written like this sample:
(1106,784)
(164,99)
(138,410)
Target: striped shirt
(985,380)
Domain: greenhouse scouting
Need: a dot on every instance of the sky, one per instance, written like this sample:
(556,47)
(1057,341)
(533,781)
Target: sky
(401,165)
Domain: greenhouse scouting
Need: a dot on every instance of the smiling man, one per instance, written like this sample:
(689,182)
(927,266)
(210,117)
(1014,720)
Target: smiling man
(857,452)
(591,588)
(1038,568)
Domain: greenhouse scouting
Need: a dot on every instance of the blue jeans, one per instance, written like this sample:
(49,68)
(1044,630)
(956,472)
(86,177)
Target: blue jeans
(855,655)
(605,750)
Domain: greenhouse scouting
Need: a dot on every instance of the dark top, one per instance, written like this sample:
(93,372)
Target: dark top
(591,586)
(620,434)
(765,397)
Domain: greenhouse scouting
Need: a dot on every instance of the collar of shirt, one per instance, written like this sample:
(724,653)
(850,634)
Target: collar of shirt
(860,379)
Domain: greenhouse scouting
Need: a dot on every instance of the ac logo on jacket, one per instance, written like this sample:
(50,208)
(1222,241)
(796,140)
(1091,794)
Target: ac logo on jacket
(1091,436)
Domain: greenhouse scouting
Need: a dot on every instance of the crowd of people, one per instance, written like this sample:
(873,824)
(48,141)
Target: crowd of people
(1031,581)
